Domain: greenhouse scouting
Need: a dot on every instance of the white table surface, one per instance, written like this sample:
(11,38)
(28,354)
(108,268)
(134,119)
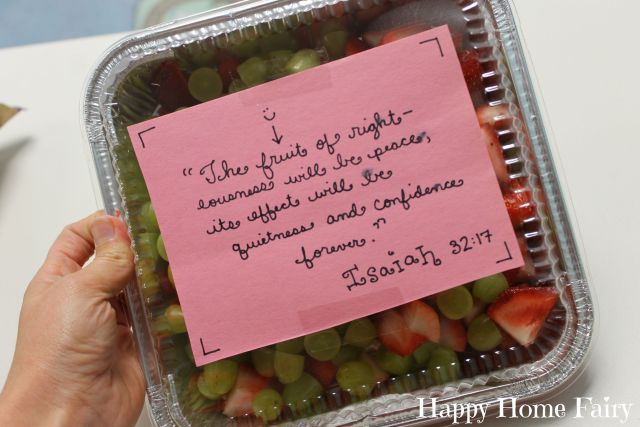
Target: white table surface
(586,59)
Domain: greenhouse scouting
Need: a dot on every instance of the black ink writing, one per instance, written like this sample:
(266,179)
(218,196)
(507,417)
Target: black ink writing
(421,258)
(348,161)
(336,187)
(211,175)
(238,194)
(243,248)
(323,143)
(354,212)
(267,162)
(269,212)
(371,177)
(375,126)
(222,225)
(311,172)
(413,139)
(309,261)
(406,196)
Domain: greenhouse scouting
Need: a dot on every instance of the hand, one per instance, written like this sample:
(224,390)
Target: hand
(75,363)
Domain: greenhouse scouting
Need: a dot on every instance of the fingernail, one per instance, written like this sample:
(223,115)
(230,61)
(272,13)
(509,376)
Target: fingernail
(102,230)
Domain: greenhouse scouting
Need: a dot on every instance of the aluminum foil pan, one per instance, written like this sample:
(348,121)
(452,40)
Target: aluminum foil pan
(122,91)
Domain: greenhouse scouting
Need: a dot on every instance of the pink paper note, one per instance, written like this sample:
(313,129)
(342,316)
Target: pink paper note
(325,196)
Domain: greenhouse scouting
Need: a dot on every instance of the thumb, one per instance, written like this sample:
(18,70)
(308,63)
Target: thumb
(112,267)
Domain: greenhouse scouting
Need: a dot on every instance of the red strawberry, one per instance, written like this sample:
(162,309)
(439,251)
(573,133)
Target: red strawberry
(402,32)
(395,335)
(248,384)
(495,153)
(422,320)
(521,312)
(453,334)
(489,115)
(170,87)
(519,205)
(227,66)
(471,69)
(354,46)
(324,372)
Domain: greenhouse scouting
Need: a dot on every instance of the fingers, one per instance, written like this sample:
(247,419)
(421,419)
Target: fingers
(112,267)
(71,250)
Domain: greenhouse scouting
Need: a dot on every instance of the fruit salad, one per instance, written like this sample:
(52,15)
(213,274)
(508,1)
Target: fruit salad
(505,320)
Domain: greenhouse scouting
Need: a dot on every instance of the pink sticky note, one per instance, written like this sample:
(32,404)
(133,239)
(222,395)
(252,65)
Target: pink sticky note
(325,196)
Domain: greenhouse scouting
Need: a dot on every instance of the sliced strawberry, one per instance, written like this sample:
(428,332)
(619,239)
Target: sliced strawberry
(402,32)
(354,46)
(248,384)
(324,372)
(422,320)
(519,205)
(495,153)
(453,334)
(170,87)
(490,115)
(227,66)
(521,312)
(471,69)
(395,335)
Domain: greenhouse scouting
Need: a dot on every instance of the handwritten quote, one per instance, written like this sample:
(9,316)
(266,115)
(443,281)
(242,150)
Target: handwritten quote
(325,196)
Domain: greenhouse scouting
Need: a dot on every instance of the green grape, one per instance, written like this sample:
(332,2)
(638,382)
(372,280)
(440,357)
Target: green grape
(242,357)
(175,318)
(160,325)
(455,303)
(335,43)
(294,346)
(392,362)
(487,289)
(205,84)
(356,377)
(189,352)
(444,365)
(483,334)
(205,390)
(287,367)
(302,60)
(323,345)
(267,404)
(423,353)
(277,41)
(149,285)
(360,333)
(253,71)
(278,61)
(342,329)
(331,25)
(262,360)
(220,376)
(162,251)
(347,353)
(299,394)
(236,85)
(148,217)
(146,245)
(170,276)
(245,49)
